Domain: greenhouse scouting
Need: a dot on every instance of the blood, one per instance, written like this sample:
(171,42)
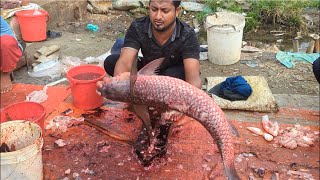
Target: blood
(5,148)
(87,76)
(141,146)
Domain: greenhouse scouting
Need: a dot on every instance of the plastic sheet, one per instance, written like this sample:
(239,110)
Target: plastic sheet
(70,61)
(53,68)
(38,96)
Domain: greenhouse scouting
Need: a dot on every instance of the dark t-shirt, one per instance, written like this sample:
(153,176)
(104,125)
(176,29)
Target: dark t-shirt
(182,44)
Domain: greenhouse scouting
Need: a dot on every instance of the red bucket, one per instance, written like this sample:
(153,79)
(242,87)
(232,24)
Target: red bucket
(30,111)
(83,81)
(33,24)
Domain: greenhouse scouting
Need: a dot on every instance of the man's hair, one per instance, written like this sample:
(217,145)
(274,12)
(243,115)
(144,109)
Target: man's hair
(176,3)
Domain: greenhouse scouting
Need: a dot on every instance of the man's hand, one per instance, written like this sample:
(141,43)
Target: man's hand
(125,60)
(192,72)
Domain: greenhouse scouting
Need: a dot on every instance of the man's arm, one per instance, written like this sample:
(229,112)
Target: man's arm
(129,51)
(192,72)
(125,60)
(190,55)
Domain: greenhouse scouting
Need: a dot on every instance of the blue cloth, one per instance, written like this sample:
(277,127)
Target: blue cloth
(286,58)
(6,30)
(117,46)
(93,27)
(237,85)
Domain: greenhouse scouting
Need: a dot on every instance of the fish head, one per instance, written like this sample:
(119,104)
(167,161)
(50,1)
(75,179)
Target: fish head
(115,88)
(120,88)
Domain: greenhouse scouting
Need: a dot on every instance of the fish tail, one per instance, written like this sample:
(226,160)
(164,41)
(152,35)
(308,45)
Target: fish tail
(232,173)
(228,163)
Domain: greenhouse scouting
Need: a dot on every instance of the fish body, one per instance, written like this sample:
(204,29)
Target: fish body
(169,93)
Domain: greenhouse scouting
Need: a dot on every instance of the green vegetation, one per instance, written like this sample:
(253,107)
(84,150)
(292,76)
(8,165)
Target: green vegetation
(262,12)
(121,35)
(201,16)
(225,4)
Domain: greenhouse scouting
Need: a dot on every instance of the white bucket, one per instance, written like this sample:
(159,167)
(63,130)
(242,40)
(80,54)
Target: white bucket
(224,35)
(26,161)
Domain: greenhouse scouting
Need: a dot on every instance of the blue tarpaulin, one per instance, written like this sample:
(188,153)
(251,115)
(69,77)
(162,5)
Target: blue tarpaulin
(286,58)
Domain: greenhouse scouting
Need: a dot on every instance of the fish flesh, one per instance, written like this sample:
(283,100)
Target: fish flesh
(170,93)
(292,137)
(271,127)
(255,130)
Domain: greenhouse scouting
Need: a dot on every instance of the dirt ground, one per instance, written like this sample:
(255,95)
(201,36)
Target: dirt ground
(281,80)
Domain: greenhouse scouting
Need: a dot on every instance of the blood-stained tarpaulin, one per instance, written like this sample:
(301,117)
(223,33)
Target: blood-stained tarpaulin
(56,95)
(191,153)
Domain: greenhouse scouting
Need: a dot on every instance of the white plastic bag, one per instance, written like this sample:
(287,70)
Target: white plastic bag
(53,68)
(36,12)
(38,96)
(102,57)
(69,62)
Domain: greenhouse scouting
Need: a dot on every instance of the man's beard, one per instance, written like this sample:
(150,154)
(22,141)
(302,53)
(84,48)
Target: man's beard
(164,28)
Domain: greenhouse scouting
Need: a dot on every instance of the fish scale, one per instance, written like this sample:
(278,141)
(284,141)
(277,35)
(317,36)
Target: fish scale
(175,94)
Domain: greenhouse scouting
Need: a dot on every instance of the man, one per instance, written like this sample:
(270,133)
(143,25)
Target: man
(161,34)
(316,69)
(10,53)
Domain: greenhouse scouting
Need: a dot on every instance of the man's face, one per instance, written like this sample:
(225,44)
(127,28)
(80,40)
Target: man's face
(162,14)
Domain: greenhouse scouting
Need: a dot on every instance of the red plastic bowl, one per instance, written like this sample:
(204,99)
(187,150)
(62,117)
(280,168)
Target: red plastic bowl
(30,111)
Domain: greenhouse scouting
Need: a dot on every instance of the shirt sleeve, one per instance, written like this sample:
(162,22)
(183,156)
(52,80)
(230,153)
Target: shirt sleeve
(191,47)
(132,38)
(5,29)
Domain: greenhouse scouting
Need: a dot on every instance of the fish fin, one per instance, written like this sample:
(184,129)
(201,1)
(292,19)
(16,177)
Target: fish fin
(234,130)
(152,68)
(232,173)
(133,75)
(110,131)
(143,113)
